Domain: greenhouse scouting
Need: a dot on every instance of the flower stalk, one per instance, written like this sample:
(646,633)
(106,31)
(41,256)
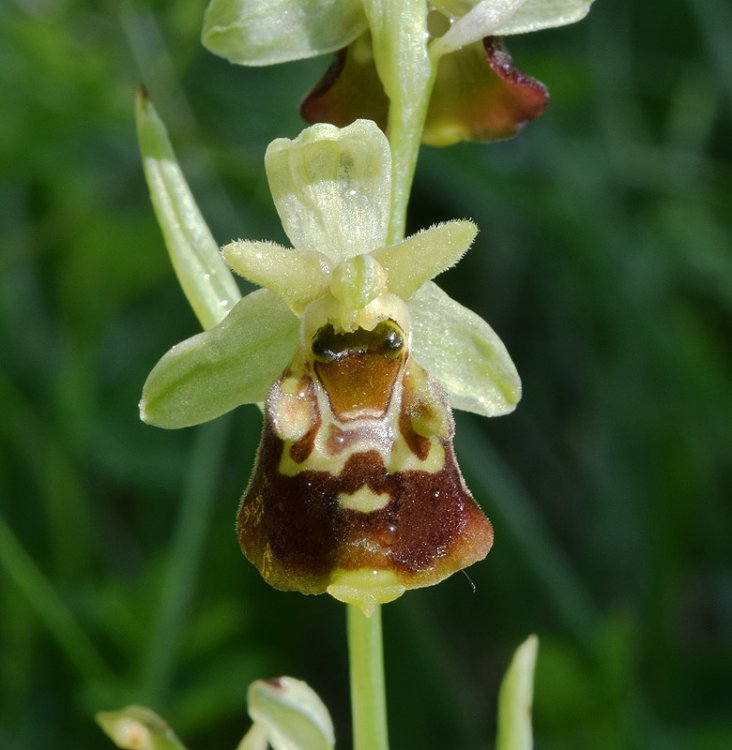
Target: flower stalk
(368,694)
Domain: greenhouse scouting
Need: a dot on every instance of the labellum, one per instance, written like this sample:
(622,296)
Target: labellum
(356,490)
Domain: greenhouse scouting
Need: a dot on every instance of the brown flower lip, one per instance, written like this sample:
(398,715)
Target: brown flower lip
(337,493)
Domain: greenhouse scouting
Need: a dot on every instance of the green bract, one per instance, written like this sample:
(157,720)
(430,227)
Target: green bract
(287,715)
(262,32)
(332,189)
(210,288)
(138,728)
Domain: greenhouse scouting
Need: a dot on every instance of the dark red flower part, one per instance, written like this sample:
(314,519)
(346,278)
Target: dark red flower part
(349,90)
(471,101)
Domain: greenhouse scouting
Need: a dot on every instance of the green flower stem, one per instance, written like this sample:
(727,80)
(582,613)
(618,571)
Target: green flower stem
(406,123)
(368,698)
(400,36)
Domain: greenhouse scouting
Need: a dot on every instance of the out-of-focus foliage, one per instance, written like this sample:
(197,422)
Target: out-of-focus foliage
(605,263)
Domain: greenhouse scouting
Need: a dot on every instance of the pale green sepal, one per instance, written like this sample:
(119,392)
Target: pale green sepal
(298,277)
(462,351)
(138,728)
(422,256)
(234,363)
(482,20)
(264,32)
(206,281)
(515,699)
(292,713)
(332,188)
(534,15)
(505,17)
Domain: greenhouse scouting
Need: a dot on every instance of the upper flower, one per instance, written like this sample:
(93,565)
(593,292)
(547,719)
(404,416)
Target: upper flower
(332,190)
(389,56)
(264,32)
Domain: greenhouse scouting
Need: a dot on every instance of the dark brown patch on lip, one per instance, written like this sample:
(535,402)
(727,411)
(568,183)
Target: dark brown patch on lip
(430,527)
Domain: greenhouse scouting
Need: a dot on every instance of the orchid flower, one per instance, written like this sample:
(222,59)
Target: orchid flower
(355,352)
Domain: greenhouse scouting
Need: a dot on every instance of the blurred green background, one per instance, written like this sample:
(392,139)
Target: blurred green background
(604,262)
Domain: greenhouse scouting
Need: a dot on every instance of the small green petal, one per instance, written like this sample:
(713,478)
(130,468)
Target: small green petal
(454,8)
(534,15)
(263,32)
(424,255)
(332,188)
(234,363)
(504,17)
(206,281)
(293,715)
(515,699)
(462,351)
(138,728)
(484,19)
(298,277)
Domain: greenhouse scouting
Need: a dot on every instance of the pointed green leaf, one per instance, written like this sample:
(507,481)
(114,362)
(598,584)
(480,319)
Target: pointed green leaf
(298,277)
(332,188)
(462,351)
(263,32)
(515,699)
(424,255)
(293,714)
(206,281)
(234,363)
(138,728)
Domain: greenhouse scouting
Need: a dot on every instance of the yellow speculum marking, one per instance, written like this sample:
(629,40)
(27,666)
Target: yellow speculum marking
(364,500)
(401,458)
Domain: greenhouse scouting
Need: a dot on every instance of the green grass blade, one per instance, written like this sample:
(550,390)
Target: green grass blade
(50,608)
